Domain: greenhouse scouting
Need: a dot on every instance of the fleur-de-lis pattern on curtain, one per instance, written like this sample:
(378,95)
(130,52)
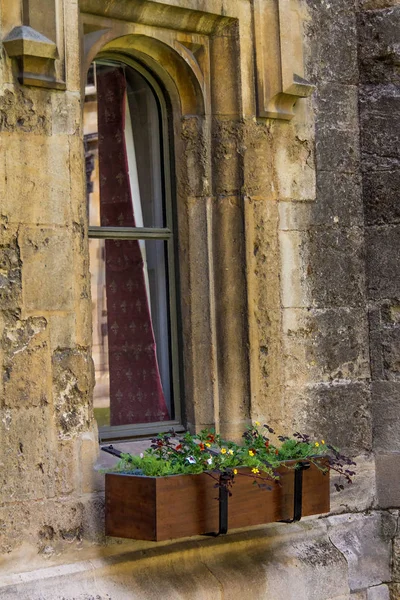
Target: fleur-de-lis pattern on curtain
(136,394)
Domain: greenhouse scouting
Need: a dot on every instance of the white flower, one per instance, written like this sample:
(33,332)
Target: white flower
(141,455)
(210,461)
(191,460)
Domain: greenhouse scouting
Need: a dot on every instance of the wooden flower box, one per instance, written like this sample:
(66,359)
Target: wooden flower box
(163,508)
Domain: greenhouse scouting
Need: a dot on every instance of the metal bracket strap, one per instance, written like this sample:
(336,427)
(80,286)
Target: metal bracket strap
(298,492)
(111,450)
(223,497)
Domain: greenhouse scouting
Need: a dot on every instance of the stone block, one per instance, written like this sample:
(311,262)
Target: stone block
(47,276)
(10,274)
(77,180)
(194,170)
(66,116)
(381,197)
(341,413)
(26,364)
(383,266)
(338,412)
(25,110)
(47,527)
(73,378)
(338,204)
(385,403)
(322,268)
(27,377)
(261,223)
(266,365)
(384,341)
(294,165)
(30,463)
(391,352)
(379,592)
(379,113)
(334,267)
(73,69)
(336,107)
(337,149)
(62,328)
(338,200)
(93,518)
(224,71)
(91,479)
(365,542)
(331,52)
(83,305)
(325,344)
(295,287)
(388,479)
(379,51)
(67,470)
(375,343)
(258,161)
(361,494)
(227,157)
(36,195)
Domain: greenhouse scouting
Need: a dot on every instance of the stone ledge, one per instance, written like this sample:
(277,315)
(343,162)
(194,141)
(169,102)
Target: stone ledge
(240,563)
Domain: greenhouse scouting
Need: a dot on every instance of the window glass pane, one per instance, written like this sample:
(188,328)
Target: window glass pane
(123,149)
(131,337)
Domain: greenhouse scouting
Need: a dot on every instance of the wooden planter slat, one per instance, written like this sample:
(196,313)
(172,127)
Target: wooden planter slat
(163,508)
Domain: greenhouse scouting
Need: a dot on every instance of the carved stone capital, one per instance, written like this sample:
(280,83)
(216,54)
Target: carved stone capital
(37,44)
(35,54)
(279,58)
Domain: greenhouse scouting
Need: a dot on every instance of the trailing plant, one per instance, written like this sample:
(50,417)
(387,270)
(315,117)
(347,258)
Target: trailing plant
(261,451)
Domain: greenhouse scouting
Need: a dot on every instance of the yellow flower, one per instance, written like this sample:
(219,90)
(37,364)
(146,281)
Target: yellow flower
(322,441)
(257,423)
(316,444)
(255,471)
(223,450)
(208,445)
(235,471)
(230,451)
(252,453)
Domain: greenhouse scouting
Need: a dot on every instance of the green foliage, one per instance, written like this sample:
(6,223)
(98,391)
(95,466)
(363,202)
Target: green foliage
(208,452)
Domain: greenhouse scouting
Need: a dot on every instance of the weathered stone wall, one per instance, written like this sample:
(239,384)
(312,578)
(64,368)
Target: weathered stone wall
(289,263)
(379,103)
(46,427)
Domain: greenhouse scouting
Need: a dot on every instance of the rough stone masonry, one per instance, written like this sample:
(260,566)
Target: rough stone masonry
(289,246)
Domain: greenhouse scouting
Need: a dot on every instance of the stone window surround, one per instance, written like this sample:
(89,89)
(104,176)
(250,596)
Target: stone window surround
(181,62)
(214,83)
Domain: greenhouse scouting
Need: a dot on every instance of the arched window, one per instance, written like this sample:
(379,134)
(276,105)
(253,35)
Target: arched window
(131,247)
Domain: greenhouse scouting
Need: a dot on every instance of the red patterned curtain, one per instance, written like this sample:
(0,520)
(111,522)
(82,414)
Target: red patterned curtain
(136,394)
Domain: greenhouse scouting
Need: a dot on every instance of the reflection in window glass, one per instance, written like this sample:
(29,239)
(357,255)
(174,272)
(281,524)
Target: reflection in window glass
(122,93)
(130,331)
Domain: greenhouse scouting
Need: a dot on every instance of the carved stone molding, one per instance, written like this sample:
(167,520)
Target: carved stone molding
(37,43)
(279,58)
